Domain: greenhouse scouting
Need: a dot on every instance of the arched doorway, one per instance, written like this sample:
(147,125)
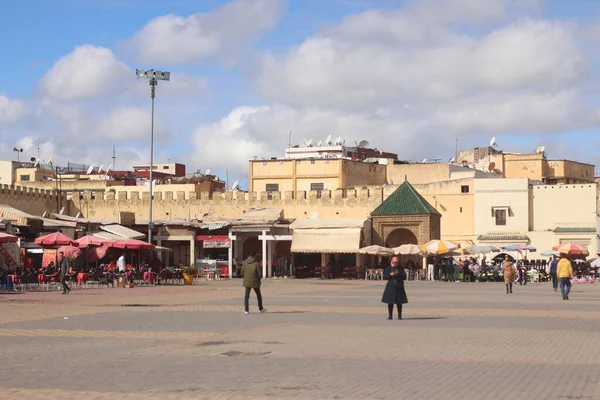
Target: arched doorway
(401,236)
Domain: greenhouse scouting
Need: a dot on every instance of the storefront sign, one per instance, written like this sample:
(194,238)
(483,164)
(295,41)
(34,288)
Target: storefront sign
(126,218)
(214,241)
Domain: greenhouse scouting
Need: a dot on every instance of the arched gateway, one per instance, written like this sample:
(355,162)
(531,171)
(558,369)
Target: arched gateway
(405,217)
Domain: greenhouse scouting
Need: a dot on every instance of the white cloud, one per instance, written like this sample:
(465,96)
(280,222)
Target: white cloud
(346,73)
(10,110)
(84,73)
(220,34)
(128,123)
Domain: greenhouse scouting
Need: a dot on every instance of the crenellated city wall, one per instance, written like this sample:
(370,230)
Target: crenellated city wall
(191,205)
(32,201)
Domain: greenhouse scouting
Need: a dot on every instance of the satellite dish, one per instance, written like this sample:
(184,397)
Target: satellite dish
(363,144)
(328,140)
(309,143)
(37,161)
(492,166)
(108,169)
(424,161)
(90,169)
(49,159)
(493,142)
(207,172)
(320,143)
(338,140)
(235,186)
(452,160)
(100,169)
(540,149)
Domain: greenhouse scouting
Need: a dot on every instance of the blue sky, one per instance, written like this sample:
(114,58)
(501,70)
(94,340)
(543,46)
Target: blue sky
(409,76)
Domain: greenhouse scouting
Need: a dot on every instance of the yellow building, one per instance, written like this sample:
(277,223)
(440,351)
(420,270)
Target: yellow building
(514,211)
(307,174)
(531,166)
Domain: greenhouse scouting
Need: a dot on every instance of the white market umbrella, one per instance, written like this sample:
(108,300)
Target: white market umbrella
(407,250)
(375,250)
(482,249)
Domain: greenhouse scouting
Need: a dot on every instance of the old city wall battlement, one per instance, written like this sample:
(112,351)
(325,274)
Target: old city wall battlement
(191,205)
(30,200)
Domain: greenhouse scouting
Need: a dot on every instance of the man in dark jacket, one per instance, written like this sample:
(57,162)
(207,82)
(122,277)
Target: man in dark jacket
(252,275)
(64,271)
(553,267)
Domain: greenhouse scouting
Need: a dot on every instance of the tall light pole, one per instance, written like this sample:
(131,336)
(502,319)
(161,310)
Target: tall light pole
(153,77)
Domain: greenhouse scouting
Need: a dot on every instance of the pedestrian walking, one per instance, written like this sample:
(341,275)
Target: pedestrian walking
(509,271)
(64,264)
(252,275)
(394,292)
(553,270)
(564,271)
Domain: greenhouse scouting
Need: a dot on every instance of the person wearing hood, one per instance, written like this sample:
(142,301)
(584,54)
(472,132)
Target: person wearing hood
(252,275)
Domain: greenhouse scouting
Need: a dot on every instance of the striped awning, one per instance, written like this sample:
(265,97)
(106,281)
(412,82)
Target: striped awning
(212,227)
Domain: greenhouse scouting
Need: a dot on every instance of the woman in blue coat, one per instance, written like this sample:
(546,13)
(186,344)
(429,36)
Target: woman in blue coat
(394,292)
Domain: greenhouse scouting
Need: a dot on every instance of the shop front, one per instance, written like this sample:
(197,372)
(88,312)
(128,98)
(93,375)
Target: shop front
(332,244)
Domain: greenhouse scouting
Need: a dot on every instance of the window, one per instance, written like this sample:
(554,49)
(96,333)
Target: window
(319,187)
(461,209)
(24,178)
(500,217)
(464,189)
(270,188)
(165,167)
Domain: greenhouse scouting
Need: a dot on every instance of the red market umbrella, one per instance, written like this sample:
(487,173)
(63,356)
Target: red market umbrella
(132,244)
(6,238)
(70,252)
(55,239)
(571,249)
(91,240)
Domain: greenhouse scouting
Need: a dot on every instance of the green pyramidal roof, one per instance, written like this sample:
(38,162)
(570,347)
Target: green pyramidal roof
(405,201)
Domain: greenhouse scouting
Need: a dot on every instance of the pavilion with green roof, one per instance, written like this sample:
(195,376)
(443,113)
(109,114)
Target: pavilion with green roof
(405,217)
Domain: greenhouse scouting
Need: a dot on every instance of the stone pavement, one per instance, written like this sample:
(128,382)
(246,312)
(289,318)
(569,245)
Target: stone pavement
(319,340)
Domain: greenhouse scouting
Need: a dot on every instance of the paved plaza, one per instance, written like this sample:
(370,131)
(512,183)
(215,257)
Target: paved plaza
(319,340)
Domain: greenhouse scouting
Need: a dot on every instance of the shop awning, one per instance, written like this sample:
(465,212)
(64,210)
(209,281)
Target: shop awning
(326,240)
(122,231)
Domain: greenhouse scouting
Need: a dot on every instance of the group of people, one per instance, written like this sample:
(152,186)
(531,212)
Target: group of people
(561,272)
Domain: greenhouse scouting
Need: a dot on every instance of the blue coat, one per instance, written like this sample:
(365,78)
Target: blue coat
(394,293)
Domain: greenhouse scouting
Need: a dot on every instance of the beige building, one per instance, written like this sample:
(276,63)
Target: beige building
(531,166)
(14,172)
(514,211)
(317,174)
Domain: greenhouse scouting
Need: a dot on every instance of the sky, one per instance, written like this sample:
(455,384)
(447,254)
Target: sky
(409,76)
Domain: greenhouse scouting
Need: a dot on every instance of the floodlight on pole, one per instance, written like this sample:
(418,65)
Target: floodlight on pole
(153,78)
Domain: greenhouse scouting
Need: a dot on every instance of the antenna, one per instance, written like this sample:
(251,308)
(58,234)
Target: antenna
(114,157)
(100,169)
(328,140)
(363,144)
(90,169)
(493,142)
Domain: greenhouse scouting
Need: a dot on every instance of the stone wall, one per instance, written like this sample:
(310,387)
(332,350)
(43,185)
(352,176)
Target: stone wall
(191,205)
(30,200)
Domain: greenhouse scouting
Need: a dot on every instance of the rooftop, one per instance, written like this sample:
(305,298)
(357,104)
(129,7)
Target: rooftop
(405,201)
